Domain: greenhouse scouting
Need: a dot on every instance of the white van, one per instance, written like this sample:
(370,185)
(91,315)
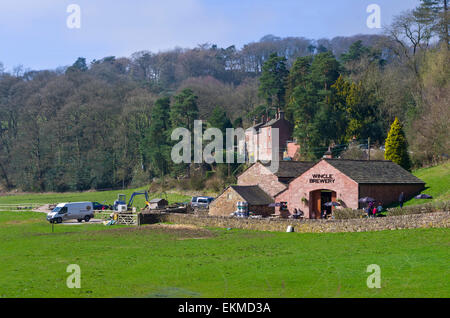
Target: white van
(76,210)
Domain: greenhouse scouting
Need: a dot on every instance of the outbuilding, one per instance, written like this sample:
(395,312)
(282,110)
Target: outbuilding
(273,182)
(259,202)
(308,186)
(345,182)
(158,204)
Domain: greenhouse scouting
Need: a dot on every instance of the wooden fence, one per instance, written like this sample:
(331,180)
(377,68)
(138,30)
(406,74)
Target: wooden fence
(120,218)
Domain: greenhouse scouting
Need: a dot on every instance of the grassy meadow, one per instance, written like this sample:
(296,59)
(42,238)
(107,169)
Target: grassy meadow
(437,180)
(99,196)
(180,261)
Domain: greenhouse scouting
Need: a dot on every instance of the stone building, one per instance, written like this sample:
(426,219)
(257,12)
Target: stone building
(258,201)
(259,139)
(332,180)
(158,204)
(273,183)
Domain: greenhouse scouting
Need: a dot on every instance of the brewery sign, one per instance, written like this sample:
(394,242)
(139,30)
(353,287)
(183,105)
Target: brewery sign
(322,178)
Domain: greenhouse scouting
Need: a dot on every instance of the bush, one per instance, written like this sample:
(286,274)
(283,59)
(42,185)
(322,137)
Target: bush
(342,214)
(214,184)
(197,183)
(439,206)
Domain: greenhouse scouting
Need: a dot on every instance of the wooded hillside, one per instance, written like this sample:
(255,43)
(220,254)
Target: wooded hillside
(107,123)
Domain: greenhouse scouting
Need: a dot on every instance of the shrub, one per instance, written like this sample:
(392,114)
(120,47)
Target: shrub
(341,214)
(439,206)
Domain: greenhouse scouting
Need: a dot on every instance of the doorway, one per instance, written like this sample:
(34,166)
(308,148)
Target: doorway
(318,199)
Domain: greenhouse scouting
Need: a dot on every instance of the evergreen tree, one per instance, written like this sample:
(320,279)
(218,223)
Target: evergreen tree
(184,109)
(396,146)
(355,52)
(273,81)
(219,119)
(434,13)
(157,145)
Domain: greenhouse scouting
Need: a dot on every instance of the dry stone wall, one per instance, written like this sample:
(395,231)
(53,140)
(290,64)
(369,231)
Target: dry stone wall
(425,220)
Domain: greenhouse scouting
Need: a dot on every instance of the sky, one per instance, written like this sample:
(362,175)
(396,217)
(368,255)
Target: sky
(35,33)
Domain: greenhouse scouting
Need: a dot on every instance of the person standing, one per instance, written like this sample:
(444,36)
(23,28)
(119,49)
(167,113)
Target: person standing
(401,199)
(374,211)
(379,208)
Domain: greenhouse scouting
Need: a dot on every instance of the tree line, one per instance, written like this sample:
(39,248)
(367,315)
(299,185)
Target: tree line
(107,123)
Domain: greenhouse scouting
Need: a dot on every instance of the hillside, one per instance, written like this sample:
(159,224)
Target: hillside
(437,183)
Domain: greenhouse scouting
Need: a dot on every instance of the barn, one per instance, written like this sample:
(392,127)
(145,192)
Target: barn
(258,201)
(273,183)
(332,180)
(158,204)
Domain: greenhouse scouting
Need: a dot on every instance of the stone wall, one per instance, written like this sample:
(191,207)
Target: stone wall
(425,220)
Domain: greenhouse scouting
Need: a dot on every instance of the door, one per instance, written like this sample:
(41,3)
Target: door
(63,213)
(325,197)
(315,204)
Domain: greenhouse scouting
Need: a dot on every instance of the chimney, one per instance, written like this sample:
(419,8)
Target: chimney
(263,118)
(254,121)
(328,154)
(281,114)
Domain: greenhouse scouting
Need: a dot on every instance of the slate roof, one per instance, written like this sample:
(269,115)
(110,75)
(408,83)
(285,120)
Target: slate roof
(254,195)
(274,121)
(256,126)
(374,171)
(291,169)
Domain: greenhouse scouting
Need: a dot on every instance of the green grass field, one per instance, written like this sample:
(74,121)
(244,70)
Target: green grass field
(176,261)
(437,182)
(98,196)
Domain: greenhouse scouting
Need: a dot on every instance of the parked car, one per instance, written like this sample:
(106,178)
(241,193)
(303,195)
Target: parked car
(66,211)
(201,202)
(99,206)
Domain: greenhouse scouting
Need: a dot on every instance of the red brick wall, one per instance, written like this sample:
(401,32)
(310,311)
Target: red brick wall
(262,176)
(292,149)
(346,189)
(389,193)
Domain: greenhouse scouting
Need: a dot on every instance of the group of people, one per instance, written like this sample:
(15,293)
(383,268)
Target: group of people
(372,209)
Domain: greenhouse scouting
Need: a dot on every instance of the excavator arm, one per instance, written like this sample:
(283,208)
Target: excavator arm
(130,203)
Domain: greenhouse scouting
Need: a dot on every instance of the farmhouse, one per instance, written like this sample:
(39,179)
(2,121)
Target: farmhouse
(331,180)
(259,138)
(258,201)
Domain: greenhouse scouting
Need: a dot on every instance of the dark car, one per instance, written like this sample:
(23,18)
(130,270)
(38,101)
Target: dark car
(98,206)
